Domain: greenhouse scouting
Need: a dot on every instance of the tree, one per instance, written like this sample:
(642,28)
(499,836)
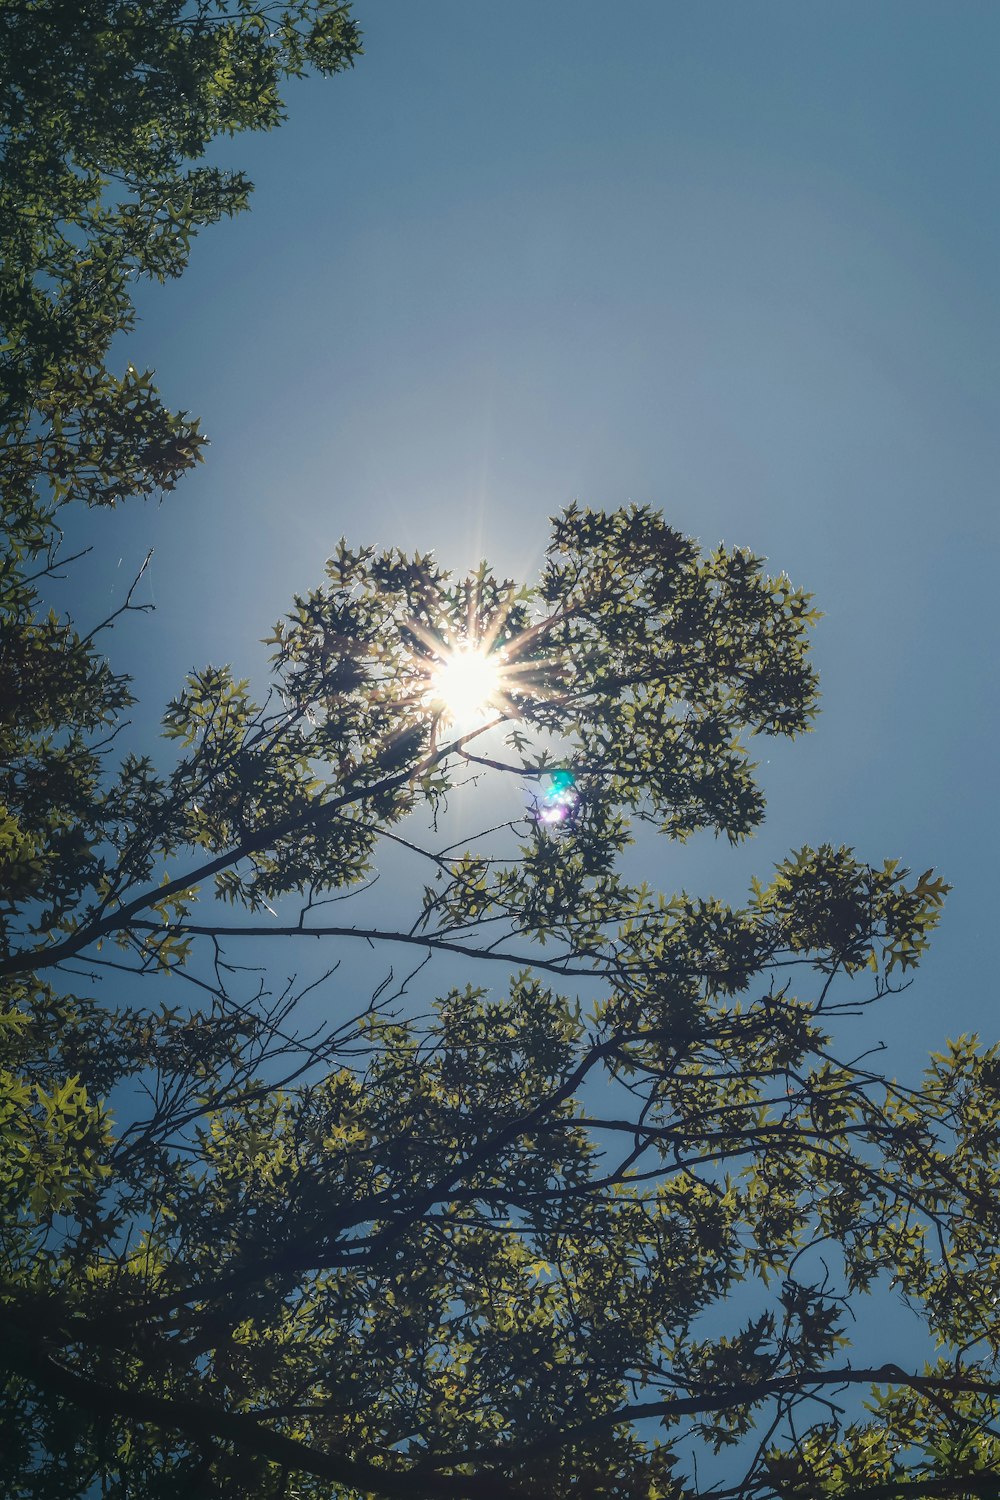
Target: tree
(432,1253)
(104,106)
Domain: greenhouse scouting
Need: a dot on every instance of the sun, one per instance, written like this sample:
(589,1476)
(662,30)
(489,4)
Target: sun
(466,684)
(472,680)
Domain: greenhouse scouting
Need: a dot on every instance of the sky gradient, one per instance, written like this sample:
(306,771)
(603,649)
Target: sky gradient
(736,262)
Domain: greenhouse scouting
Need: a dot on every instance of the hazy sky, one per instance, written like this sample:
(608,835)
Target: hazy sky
(735,261)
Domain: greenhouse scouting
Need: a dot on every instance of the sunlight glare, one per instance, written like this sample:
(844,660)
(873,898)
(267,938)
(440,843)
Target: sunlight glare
(466,685)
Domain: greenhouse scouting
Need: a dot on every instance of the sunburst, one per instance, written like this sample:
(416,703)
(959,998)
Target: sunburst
(465,685)
(468,681)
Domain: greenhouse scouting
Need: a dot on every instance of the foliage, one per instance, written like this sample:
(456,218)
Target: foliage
(474,1247)
(468,1252)
(104,106)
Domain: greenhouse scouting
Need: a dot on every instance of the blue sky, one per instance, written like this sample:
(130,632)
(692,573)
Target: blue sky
(737,262)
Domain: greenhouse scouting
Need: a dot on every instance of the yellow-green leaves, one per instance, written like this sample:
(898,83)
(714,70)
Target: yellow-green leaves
(850,915)
(52,1141)
(21,864)
(474,1235)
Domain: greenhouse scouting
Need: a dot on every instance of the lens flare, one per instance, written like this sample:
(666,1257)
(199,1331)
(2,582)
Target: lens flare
(560,800)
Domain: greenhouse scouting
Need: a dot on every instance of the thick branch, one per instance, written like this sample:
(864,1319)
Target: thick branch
(738,1394)
(208,1424)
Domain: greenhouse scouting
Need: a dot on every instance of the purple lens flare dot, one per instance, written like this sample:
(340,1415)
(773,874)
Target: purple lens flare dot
(558,801)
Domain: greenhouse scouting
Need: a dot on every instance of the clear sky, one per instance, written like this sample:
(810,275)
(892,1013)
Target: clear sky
(739,262)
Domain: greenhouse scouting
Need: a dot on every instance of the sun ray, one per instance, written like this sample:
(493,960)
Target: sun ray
(465,684)
(463,678)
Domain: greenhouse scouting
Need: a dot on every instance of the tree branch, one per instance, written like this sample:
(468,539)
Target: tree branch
(371,934)
(206,1424)
(737,1394)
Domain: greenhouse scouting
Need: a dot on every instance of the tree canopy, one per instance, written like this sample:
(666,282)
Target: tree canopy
(464,1245)
(106,106)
